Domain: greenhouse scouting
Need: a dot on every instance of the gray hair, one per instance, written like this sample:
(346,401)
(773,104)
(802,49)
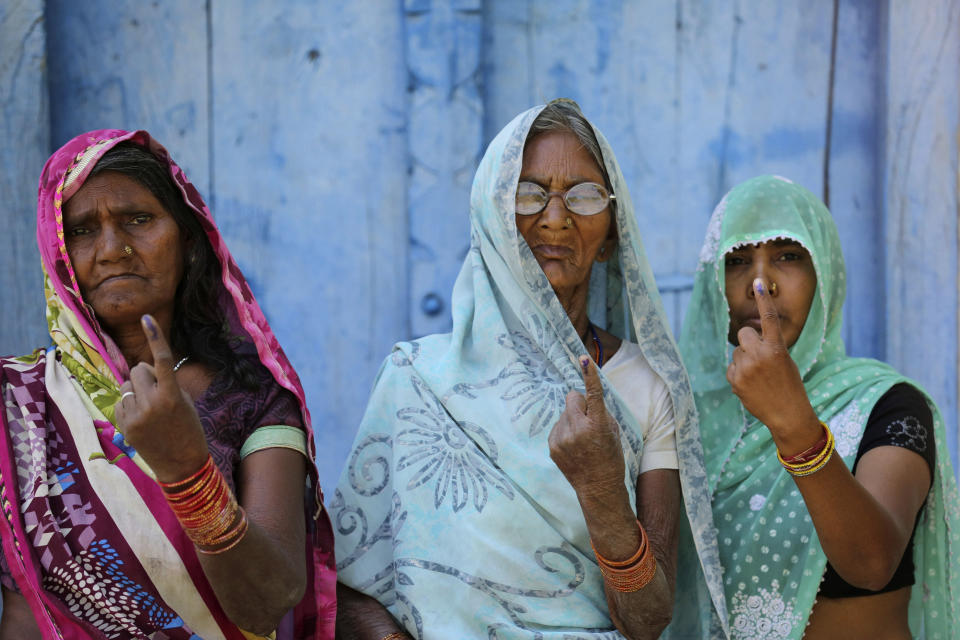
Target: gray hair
(564,114)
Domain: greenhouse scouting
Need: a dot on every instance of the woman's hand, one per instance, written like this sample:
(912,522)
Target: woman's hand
(159,419)
(767,381)
(585,441)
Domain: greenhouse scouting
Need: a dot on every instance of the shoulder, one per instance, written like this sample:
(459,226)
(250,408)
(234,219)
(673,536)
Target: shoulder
(629,369)
(902,417)
(31,366)
(902,398)
(246,408)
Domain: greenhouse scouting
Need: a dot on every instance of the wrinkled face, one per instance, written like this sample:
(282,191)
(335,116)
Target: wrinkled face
(782,262)
(107,214)
(556,161)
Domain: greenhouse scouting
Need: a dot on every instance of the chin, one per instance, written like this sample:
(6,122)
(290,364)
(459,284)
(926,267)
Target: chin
(116,312)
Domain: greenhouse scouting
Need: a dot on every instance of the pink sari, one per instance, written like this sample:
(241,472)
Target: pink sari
(87,535)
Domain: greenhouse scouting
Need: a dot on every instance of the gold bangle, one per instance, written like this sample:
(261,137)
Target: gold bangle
(396,635)
(814,465)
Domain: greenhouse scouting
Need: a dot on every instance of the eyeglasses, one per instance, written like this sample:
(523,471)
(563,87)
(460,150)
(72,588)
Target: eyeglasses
(585,199)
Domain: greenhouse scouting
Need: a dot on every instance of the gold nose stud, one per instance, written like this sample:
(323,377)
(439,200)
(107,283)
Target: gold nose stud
(127,249)
(569,222)
(773,288)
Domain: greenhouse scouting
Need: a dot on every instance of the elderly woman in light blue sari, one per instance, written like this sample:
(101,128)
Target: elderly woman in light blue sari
(486,495)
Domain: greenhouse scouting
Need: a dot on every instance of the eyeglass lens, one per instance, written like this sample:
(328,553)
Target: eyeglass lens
(585,199)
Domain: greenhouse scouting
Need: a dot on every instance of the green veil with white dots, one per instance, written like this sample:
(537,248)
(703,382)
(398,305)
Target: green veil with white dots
(772,559)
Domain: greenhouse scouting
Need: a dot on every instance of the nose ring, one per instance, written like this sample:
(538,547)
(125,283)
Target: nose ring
(569,222)
(773,288)
(127,249)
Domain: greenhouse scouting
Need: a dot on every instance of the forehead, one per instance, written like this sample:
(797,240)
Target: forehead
(559,154)
(110,190)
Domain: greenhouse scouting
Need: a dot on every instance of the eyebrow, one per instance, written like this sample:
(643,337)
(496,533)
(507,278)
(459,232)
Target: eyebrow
(123,209)
(573,180)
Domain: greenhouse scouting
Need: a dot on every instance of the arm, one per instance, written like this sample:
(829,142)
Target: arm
(864,522)
(17,622)
(264,575)
(585,445)
(360,617)
(613,530)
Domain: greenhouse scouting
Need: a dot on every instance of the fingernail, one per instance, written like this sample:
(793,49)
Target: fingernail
(758,285)
(584,363)
(150,325)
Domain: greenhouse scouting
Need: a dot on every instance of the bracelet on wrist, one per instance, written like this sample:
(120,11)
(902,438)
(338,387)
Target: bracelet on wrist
(396,635)
(207,509)
(633,573)
(812,460)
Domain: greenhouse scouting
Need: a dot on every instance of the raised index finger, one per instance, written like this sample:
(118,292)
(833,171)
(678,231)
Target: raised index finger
(591,380)
(769,315)
(160,348)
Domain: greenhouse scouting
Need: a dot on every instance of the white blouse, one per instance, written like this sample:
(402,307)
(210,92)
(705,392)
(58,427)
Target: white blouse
(648,398)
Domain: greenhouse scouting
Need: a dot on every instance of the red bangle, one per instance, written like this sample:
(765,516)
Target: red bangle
(808,455)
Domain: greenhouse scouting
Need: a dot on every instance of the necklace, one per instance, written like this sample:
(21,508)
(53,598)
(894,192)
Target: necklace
(179,364)
(599,351)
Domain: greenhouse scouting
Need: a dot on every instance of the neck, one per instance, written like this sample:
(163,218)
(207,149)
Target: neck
(574,302)
(132,342)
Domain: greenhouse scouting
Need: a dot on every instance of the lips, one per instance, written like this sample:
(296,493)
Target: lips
(552,251)
(756,324)
(120,277)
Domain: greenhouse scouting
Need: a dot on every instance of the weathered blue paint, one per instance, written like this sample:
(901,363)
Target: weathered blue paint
(308,161)
(855,173)
(132,65)
(445,138)
(336,145)
(26,138)
(921,195)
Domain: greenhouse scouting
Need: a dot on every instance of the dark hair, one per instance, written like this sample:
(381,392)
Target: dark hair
(199,330)
(563,114)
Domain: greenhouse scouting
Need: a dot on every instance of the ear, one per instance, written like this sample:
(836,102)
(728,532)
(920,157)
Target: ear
(609,244)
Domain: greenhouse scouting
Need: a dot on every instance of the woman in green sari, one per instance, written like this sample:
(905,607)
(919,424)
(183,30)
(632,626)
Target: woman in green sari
(832,490)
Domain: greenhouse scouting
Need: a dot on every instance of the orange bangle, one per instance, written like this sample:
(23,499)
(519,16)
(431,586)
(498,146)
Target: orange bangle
(632,574)
(207,509)
(206,468)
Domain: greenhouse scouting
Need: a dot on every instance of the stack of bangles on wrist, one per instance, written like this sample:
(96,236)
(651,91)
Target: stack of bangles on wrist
(207,509)
(813,459)
(633,573)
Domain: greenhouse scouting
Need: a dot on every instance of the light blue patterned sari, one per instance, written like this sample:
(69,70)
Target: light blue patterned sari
(450,511)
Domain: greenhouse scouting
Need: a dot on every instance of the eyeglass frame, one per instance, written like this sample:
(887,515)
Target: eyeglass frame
(611,197)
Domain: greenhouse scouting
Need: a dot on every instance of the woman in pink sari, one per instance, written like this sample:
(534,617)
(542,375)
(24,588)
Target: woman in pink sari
(156,474)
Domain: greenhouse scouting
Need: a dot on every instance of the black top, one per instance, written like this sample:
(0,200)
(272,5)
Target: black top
(901,418)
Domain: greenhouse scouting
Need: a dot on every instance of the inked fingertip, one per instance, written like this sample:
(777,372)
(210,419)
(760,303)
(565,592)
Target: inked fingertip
(584,363)
(150,325)
(758,286)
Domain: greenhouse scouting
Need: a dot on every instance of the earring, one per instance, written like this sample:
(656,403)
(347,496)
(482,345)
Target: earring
(127,249)
(603,250)
(773,288)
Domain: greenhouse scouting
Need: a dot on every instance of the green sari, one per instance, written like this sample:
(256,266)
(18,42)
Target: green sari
(772,558)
